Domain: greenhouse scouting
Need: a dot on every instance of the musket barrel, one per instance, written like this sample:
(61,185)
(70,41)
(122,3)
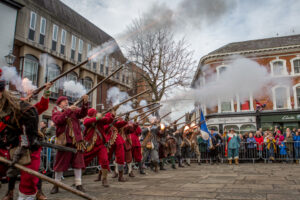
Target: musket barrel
(146,111)
(139,108)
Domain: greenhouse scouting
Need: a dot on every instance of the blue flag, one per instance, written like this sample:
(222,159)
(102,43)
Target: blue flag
(203,127)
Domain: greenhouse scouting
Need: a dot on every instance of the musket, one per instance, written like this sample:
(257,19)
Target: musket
(165,115)
(48,179)
(139,108)
(100,83)
(125,101)
(55,146)
(155,108)
(148,114)
(36,91)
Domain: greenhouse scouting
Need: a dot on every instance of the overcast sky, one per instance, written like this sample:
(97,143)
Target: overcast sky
(206,24)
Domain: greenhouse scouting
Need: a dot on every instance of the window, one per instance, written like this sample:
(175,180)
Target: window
(244,104)
(89,48)
(30,68)
(54,37)
(53,71)
(80,48)
(234,127)
(88,84)
(32,26)
(94,66)
(247,128)
(220,70)
(281,97)
(296,66)
(278,67)
(42,31)
(101,66)
(73,47)
(63,41)
(296,89)
(72,76)
(225,106)
(106,65)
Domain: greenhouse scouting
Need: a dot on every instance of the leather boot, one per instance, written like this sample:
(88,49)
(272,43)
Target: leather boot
(80,188)
(131,174)
(99,176)
(230,162)
(141,168)
(161,166)
(236,161)
(40,195)
(104,180)
(115,175)
(54,190)
(121,178)
(173,162)
(9,195)
(155,167)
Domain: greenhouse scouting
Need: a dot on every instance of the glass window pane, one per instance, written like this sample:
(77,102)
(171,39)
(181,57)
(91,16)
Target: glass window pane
(55,30)
(73,42)
(63,37)
(43,26)
(297,66)
(30,70)
(281,97)
(80,46)
(298,96)
(278,68)
(32,20)
(225,106)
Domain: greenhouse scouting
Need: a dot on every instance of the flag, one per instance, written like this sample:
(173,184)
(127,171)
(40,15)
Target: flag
(245,106)
(259,106)
(203,127)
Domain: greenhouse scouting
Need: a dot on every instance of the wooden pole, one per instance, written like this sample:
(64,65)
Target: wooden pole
(46,178)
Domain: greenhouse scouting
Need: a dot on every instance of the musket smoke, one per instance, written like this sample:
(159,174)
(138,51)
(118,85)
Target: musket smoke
(74,89)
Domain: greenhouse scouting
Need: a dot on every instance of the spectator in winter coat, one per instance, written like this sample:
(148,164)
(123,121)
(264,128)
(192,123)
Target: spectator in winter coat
(251,145)
(259,142)
(271,146)
(289,144)
(297,146)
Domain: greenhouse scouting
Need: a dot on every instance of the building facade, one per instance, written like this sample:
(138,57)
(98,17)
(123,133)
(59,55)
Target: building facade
(51,38)
(281,57)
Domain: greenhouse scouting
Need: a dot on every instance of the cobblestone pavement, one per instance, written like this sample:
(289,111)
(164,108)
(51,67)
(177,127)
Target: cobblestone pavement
(246,181)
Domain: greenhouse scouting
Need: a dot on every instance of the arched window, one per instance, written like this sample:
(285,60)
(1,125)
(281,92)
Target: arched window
(221,69)
(281,98)
(72,76)
(229,127)
(296,90)
(278,67)
(88,84)
(30,68)
(295,65)
(53,71)
(246,128)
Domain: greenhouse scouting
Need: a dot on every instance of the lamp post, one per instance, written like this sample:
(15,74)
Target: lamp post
(10,58)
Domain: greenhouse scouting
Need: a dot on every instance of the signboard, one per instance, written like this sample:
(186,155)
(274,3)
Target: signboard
(231,120)
(281,118)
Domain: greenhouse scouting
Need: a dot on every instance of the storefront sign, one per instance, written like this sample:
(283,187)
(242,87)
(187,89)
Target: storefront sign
(281,118)
(231,120)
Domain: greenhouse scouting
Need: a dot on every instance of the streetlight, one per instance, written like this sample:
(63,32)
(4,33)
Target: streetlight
(10,58)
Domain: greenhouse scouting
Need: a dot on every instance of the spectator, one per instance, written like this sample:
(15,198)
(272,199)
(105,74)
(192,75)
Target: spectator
(288,130)
(282,150)
(51,131)
(202,144)
(251,145)
(43,127)
(271,146)
(297,146)
(279,137)
(289,145)
(294,132)
(259,141)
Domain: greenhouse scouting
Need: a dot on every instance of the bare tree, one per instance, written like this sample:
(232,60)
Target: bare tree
(165,62)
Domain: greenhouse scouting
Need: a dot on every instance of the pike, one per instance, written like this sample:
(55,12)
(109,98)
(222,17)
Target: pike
(48,179)
(139,108)
(125,101)
(165,115)
(55,146)
(146,112)
(100,83)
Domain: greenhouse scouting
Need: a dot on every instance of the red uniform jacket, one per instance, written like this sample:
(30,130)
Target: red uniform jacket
(91,123)
(61,118)
(117,125)
(42,105)
(135,136)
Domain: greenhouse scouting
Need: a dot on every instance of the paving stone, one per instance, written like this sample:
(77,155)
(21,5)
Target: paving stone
(282,197)
(244,196)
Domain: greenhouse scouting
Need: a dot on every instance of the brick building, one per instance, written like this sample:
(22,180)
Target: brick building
(281,57)
(50,27)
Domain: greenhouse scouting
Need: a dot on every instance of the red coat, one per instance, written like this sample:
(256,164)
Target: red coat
(117,125)
(42,105)
(135,136)
(89,124)
(259,141)
(60,118)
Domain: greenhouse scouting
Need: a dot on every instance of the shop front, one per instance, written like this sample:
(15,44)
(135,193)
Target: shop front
(282,121)
(239,124)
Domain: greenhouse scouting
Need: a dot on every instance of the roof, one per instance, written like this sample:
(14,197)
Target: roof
(66,15)
(258,44)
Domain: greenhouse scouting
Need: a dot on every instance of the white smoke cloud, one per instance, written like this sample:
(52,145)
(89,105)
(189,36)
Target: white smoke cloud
(27,85)
(243,77)
(74,89)
(115,96)
(144,103)
(10,74)
(104,49)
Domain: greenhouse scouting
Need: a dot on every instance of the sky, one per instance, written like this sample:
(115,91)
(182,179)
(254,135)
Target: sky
(206,24)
